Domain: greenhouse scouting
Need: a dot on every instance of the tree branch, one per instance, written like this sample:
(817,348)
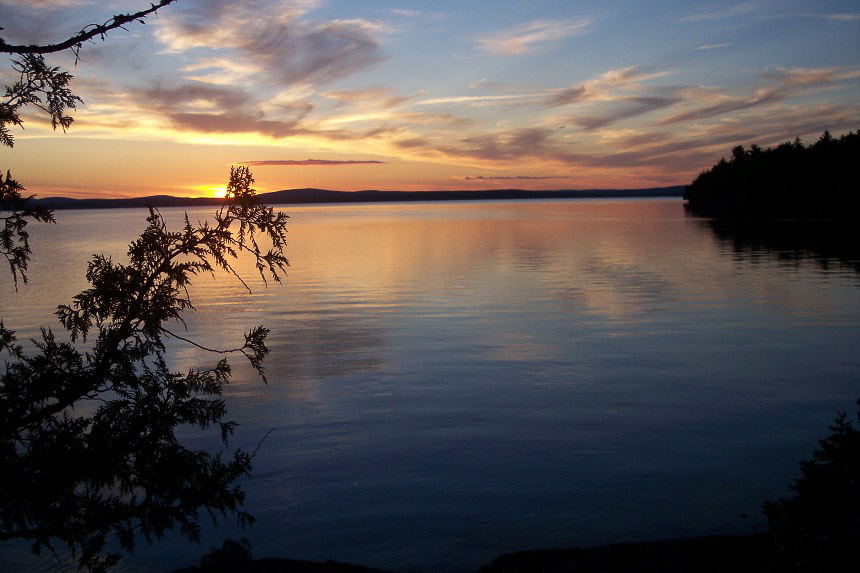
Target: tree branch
(88,33)
(200,346)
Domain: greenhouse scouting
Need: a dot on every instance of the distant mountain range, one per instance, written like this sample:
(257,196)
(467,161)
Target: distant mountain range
(301,196)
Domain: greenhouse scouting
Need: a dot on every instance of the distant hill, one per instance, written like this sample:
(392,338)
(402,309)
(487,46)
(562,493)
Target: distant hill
(303,196)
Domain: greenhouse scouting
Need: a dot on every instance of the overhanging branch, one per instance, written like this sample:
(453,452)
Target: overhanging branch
(88,33)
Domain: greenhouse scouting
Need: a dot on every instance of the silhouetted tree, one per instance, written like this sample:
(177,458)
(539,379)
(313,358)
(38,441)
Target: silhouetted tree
(46,88)
(121,471)
(14,237)
(790,181)
(819,528)
(88,448)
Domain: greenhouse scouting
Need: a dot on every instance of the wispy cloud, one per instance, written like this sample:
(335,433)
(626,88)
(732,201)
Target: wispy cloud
(480,100)
(629,78)
(304,162)
(376,97)
(565,96)
(627,107)
(522,39)
(723,12)
(714,46)
(512,177)
(196,95)
(787,84)
(601,87)
(278,40)
(844,17)
(405,13)
(46,3)
(835,17)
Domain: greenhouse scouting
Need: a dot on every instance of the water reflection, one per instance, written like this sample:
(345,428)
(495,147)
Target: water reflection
(831,244)
(453,381)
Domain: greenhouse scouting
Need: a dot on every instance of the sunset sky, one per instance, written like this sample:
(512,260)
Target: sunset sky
(414,95)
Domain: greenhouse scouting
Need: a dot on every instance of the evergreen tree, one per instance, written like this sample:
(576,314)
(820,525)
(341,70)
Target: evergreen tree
(790,181)
(88,444)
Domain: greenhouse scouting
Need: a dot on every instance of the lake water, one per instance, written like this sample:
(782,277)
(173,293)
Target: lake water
(451,381)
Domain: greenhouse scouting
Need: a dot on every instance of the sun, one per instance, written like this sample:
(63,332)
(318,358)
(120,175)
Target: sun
(218,191)
(210,190)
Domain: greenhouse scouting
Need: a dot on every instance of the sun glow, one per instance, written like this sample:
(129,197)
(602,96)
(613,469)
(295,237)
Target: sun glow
(212,190)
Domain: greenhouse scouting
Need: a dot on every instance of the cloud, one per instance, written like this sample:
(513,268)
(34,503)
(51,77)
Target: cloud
(413,143)
(274,37)
(565,96)
(628,75)
(521,39)
(218,109)
(844,17)
(789,83)
(481,100)
(509,177)
(503,146)
(255,122)
(43,21)
(714,46)
(597,88)
(211,109)
(46,3)
(638,139)
(835,17)
(614,86)
(724,13)
(602,86)
(203,95)
(235,122)
(405,13)
(631,107)
(302,162)
(810,76)
(221,70)
(377,97)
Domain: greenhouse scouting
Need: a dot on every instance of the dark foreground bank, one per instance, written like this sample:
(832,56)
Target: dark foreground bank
(740,554)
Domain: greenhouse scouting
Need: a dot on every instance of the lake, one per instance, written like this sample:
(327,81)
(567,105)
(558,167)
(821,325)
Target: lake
(452,381)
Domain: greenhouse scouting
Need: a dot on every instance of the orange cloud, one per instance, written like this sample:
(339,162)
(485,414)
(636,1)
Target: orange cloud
(324,162)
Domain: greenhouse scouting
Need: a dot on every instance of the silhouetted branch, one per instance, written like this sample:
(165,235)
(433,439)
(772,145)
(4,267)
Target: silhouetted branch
(200,346)
(14,238)
(121,471)
(86,34)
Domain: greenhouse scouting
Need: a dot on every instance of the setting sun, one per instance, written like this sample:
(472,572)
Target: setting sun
(473,286)
(213,190)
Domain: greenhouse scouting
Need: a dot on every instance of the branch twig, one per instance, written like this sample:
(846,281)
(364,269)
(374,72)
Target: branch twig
(88,33)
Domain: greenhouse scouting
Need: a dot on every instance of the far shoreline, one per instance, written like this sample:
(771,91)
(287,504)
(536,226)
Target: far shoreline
(324,196)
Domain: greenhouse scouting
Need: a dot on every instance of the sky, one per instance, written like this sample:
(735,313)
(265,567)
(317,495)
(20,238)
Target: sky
(423,95)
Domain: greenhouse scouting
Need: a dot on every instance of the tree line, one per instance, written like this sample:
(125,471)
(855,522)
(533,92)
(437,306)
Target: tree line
(789,181)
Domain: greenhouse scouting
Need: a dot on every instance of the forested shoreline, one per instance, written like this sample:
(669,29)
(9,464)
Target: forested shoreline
(789,181)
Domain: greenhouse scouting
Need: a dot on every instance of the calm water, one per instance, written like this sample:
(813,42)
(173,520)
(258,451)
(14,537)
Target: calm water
(451,381)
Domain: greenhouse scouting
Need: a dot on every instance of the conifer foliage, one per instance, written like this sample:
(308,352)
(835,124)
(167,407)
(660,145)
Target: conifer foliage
(789,181)
(818,529)
(88,447)
(121,471)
